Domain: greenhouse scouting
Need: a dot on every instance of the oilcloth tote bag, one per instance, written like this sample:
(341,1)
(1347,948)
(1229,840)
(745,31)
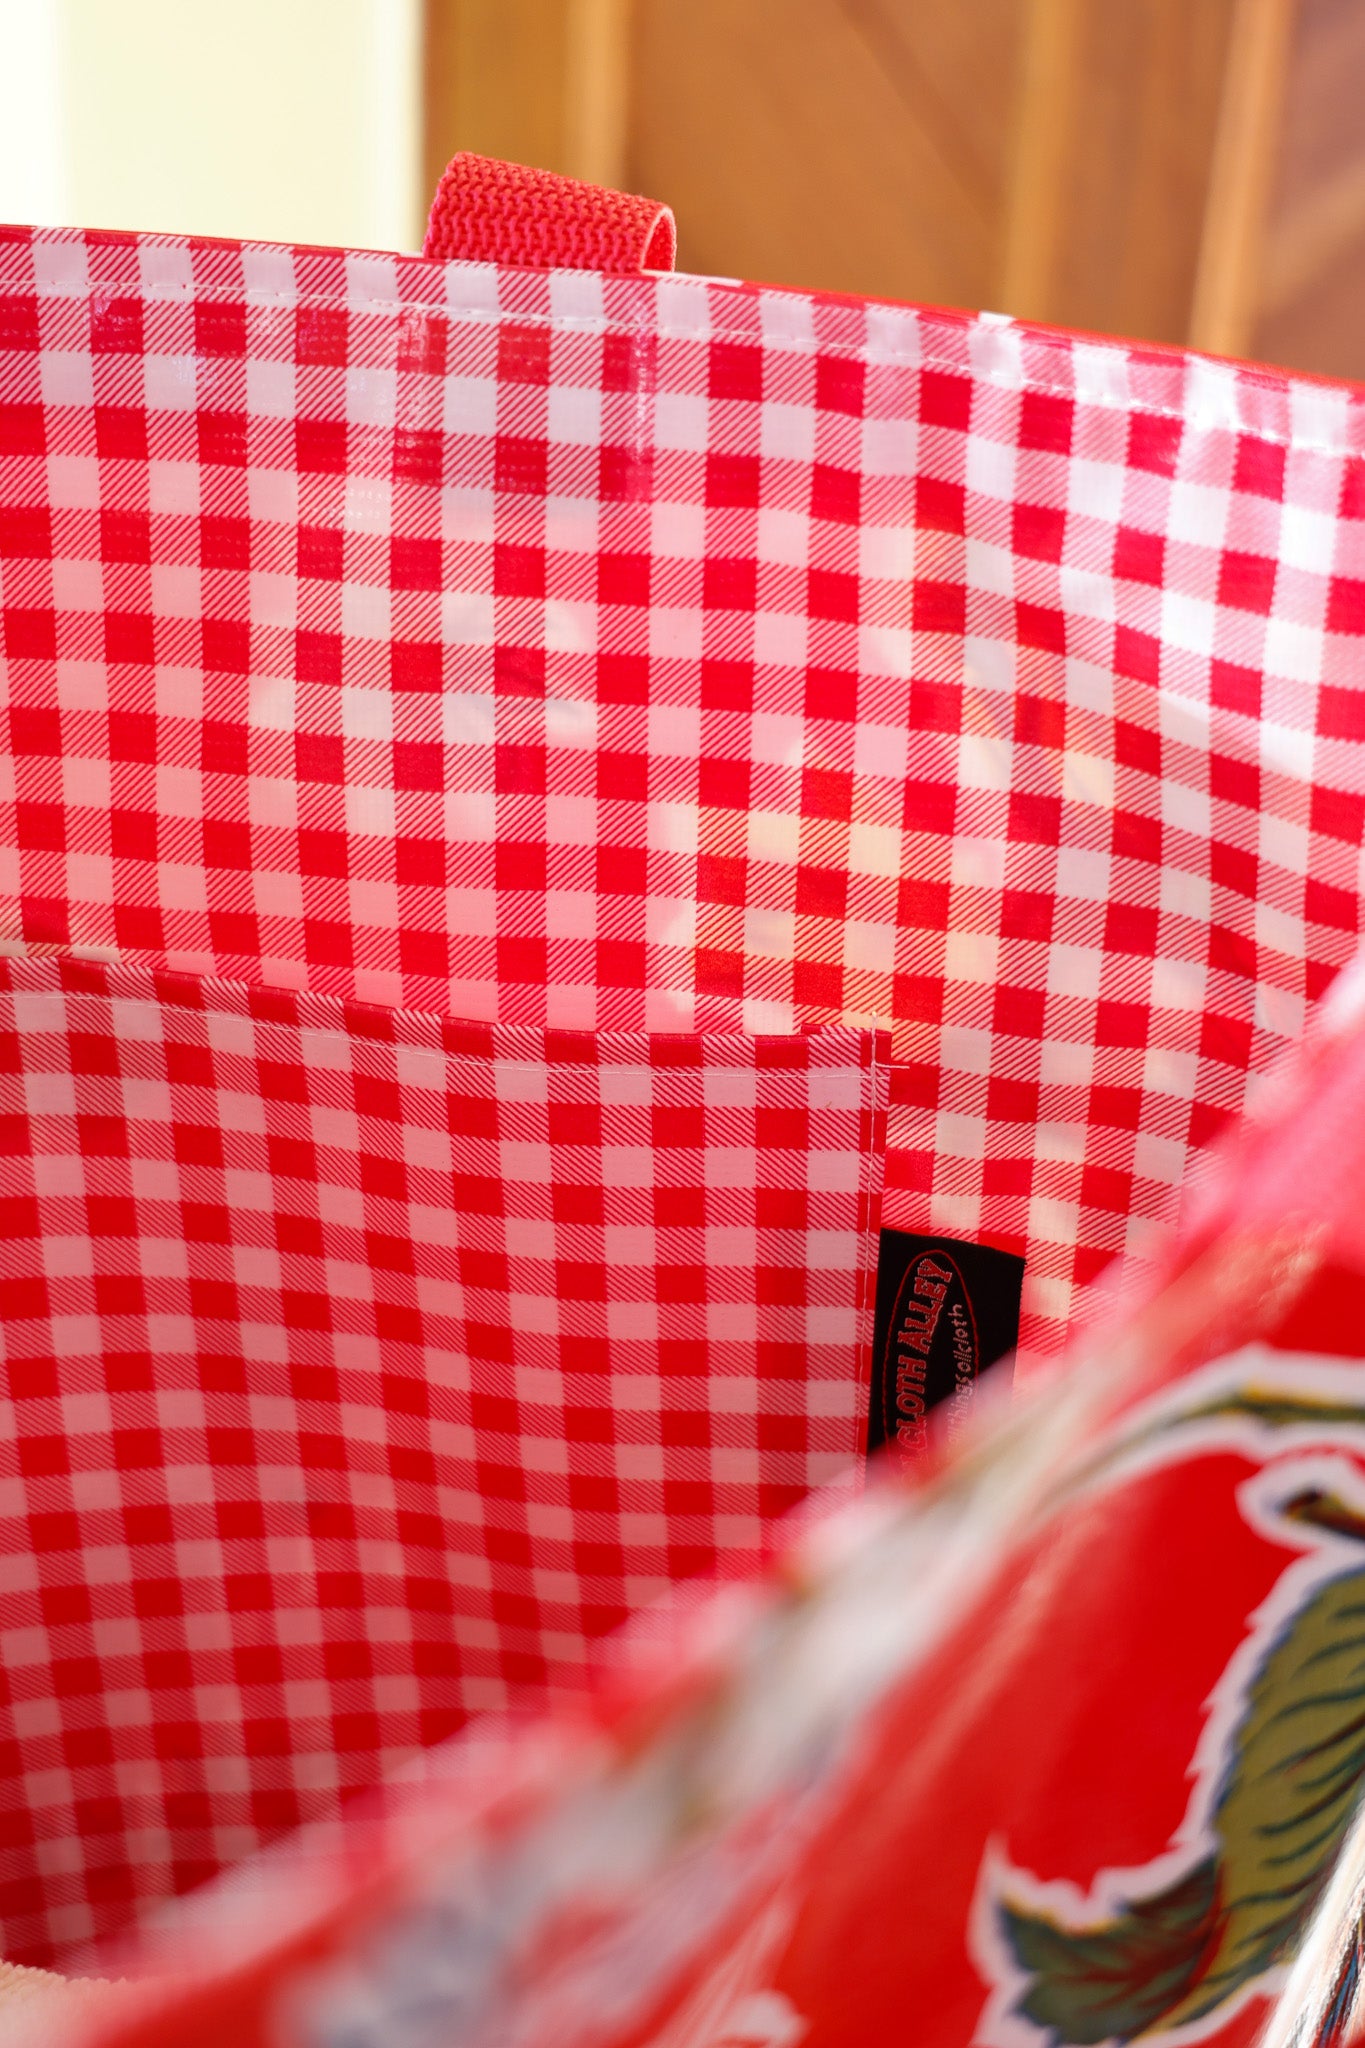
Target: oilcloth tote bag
(542,798)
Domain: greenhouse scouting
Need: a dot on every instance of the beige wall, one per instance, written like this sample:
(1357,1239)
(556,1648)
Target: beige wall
(287,120)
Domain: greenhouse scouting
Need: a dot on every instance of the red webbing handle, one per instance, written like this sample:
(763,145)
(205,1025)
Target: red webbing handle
(489,212)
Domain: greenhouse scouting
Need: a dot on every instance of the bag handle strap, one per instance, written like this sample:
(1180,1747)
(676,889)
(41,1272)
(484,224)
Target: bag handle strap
(490,212)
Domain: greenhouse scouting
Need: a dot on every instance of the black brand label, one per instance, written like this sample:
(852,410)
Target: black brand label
(945,1311)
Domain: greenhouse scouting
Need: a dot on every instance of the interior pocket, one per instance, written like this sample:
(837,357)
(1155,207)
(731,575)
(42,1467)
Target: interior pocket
(361,1368)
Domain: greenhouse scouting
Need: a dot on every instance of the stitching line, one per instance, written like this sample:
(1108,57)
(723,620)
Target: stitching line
(569,323)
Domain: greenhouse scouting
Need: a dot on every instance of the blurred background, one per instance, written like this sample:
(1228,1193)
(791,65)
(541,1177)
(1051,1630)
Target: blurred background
(1172,170)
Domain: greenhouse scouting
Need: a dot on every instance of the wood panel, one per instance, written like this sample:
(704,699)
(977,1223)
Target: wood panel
(1118,109)
(1246,153)
(1312,312)
(824,142)
(539,82)
(1172,170)
(1047,157)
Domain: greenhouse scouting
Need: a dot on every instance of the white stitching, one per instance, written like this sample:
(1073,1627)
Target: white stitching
(918,359)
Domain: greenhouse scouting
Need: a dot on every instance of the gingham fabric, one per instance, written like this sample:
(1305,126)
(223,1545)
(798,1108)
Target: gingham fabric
(360,1369)
(639,656)
(632,653)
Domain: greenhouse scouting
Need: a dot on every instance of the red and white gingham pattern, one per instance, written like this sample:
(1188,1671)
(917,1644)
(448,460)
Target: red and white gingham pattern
(624,653)
(360,1368)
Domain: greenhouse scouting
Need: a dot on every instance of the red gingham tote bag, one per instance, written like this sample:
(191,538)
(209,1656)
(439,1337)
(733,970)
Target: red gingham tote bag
(541,800)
